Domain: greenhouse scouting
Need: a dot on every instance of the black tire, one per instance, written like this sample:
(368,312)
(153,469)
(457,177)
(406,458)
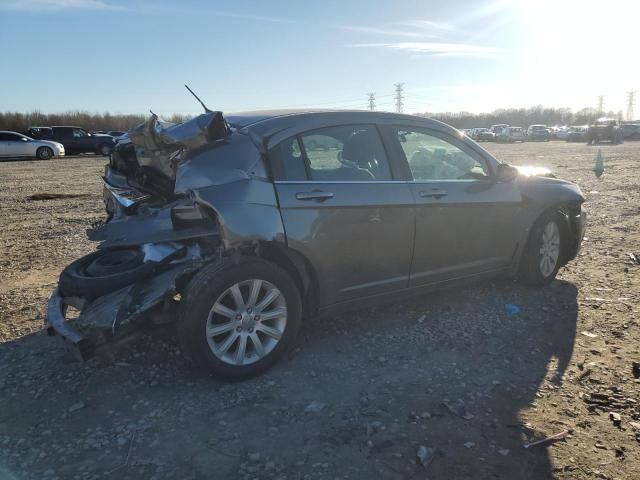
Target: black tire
(104,271)
(44,153)
(530,272)
(104,149)
(204,290)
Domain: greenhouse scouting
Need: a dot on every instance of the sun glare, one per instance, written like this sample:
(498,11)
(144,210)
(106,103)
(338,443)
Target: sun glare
(578,50)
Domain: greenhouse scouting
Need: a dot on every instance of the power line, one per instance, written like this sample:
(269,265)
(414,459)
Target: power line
(399,96)
(372,101)
(631,100)
(600,103)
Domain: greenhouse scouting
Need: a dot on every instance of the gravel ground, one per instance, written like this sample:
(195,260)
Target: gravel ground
(449,385)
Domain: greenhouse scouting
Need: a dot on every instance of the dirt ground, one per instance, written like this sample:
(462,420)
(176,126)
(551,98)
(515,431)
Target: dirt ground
(452,375)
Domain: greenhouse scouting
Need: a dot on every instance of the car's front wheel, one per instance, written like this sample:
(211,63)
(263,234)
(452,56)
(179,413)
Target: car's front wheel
(239,317)
(44,153)
(542,256)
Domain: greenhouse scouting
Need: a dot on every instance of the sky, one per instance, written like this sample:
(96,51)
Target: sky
(131,56)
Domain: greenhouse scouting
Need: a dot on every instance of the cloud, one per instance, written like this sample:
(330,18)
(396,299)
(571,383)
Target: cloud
(48,5)
(428,25)
(384,31)
(434,49)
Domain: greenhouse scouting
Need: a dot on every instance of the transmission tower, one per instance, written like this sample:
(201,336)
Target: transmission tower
(631,100)
(372,101)
(600,103)
(399,96)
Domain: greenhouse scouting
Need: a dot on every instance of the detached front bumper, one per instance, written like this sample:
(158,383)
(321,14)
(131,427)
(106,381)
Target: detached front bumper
(115,315)
(56,324)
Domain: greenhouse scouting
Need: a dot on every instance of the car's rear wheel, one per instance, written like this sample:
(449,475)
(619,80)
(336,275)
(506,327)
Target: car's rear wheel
(239,317)
(104,149)
(542,256)
(44,153)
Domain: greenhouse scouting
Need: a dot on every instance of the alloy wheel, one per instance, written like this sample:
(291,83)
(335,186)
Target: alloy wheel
(549,248)
(246,322)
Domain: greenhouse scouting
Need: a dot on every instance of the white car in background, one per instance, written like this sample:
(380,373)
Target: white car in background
(16,145)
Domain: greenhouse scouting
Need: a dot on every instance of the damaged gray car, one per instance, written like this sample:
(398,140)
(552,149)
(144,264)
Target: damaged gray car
(235,229)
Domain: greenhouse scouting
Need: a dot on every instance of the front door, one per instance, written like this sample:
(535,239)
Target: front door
(465,220)
(342,210)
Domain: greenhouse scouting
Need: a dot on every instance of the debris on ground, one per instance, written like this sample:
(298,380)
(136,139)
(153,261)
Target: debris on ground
(552,438)
(511,308)
(635,258)
(425,455)
(615,418)
(76,406)
(314,407)
(588,334)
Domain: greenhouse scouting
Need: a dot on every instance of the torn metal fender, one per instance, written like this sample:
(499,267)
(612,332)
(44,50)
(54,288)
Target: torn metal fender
(150,226)
(247,212)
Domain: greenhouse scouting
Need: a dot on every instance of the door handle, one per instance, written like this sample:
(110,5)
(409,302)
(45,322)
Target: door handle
(314,195)
(434,193)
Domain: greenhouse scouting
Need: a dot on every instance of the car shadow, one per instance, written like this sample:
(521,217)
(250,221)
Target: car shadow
(454,372)
(470,376)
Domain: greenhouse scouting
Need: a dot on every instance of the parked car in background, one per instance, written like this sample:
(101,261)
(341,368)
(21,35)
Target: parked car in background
(560,133)
(577,133)
(111,133)
(483,135)
(631,131)
(268,217)
(511,135)
(17,145)
(497,129)
(76,139)
(468,132)
(538,133)
(604,129)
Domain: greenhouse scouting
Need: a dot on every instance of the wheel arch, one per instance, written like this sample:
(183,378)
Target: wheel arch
(296,265)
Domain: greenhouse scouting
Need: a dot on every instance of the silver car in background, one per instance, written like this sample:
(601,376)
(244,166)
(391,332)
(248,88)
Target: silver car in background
(16,145)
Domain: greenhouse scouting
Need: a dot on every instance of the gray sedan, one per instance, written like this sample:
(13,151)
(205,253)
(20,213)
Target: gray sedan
(238,228)
(16,145)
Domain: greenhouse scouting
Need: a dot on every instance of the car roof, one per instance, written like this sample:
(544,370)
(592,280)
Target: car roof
(269,122)
(273,126)
(249,118)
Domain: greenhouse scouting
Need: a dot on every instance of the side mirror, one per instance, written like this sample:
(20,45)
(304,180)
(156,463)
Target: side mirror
(506,173)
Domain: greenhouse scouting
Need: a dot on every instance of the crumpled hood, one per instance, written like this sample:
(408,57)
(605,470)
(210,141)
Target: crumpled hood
(161,145)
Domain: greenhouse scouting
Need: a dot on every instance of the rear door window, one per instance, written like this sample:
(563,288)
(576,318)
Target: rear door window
(348,153)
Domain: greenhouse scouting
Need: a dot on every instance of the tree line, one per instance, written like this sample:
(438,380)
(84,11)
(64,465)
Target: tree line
(523,117)
(20,122)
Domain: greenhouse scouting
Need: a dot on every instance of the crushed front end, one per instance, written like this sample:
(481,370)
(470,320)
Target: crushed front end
(153,240)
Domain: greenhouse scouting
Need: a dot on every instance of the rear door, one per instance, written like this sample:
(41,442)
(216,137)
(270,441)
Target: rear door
(65,136)
(83,141)
(465,220)
(343,210)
